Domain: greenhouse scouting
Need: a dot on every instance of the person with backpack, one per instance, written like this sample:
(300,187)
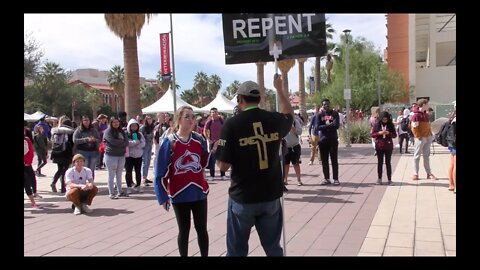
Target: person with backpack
(403,129)
(62,151)
(421,128)
(212,131)
(452,147)
(384,131)
(180,180)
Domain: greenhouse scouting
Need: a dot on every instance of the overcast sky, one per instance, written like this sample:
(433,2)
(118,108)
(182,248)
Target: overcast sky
(84,41)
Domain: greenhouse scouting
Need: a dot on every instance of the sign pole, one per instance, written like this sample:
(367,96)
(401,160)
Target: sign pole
(174,88)
(276,51)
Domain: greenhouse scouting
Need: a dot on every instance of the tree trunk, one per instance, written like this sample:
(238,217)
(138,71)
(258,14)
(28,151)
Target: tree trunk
(132,78)
(261,83)
(317,74)
(301,86)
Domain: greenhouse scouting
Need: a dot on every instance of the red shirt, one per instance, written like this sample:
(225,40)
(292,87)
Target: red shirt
(28,157)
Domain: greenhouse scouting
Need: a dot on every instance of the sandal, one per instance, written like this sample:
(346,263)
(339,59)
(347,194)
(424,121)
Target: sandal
(431,176)
(300,184)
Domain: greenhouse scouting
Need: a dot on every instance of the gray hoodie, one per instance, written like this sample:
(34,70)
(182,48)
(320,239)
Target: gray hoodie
(135,147)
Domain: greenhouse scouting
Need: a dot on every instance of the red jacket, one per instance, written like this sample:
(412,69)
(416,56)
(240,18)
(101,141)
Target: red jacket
(28,157)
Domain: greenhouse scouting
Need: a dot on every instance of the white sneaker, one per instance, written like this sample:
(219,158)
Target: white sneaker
(209,178)
(311,163)
(139,189)
(129,190)
(77,211)
(222,178)
(86,209)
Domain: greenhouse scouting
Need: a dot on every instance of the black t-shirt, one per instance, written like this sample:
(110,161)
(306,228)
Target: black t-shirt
(250,141)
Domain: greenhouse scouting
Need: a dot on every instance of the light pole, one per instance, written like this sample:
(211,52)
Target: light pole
(378,88)
(347,94)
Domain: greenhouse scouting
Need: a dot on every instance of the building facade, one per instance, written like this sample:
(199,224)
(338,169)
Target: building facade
(422,47)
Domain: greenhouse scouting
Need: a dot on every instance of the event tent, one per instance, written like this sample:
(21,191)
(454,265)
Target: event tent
(34,116)
(165,104)
(234,99)
(222,104)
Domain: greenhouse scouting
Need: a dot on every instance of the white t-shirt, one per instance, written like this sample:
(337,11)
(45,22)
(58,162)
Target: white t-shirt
(76,177)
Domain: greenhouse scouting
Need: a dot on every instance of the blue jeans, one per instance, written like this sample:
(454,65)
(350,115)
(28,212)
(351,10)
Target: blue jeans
(147,156)
(267,218)
(91,158)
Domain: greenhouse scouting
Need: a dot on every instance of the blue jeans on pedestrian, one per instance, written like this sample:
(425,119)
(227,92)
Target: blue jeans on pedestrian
(147,156)
(268,220)
(91,158)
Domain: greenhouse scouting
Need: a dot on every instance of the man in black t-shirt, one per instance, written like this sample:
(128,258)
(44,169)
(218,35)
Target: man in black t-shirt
(327,123)
(249,143)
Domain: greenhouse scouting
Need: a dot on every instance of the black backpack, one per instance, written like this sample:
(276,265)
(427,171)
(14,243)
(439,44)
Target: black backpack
(443,135)
(59,143)
(405,124)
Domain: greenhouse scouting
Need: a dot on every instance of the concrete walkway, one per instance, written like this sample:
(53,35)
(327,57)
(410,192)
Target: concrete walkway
(357,218)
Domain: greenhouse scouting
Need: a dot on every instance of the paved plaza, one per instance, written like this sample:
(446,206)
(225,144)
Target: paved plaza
(357,218)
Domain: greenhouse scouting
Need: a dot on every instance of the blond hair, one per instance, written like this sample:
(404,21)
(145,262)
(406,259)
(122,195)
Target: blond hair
(178,114)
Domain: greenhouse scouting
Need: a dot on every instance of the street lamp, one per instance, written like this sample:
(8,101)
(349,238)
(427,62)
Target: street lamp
(347,93)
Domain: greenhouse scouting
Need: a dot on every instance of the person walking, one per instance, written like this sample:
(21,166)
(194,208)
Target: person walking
(62,152)
(211,131)
(180,179)
(422,131)
(314,138)
(384,131)
(249,144)
(293,152)
(452,147)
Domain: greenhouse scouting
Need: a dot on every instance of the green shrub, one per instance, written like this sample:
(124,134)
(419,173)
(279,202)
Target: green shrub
(359,132)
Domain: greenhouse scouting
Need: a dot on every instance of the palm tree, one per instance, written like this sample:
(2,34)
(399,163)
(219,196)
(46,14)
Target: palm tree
(329,35)
(94,99)
(261,82)
(232,89)
(165,84)
(201,84)
(116,79)
(214,84)
(301,86)
(148,95)
(285,66)
(128,26)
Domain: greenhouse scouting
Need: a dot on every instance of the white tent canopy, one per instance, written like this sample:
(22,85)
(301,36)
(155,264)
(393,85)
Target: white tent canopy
(234,99)
(222,104)
(34,116)
(165,104)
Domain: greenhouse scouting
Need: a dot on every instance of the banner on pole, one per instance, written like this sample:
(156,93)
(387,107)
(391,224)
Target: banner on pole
(312,84)
(249,36)
(165,54)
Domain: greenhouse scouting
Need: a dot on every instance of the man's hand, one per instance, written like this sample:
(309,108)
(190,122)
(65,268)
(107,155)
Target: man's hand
(278,82)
